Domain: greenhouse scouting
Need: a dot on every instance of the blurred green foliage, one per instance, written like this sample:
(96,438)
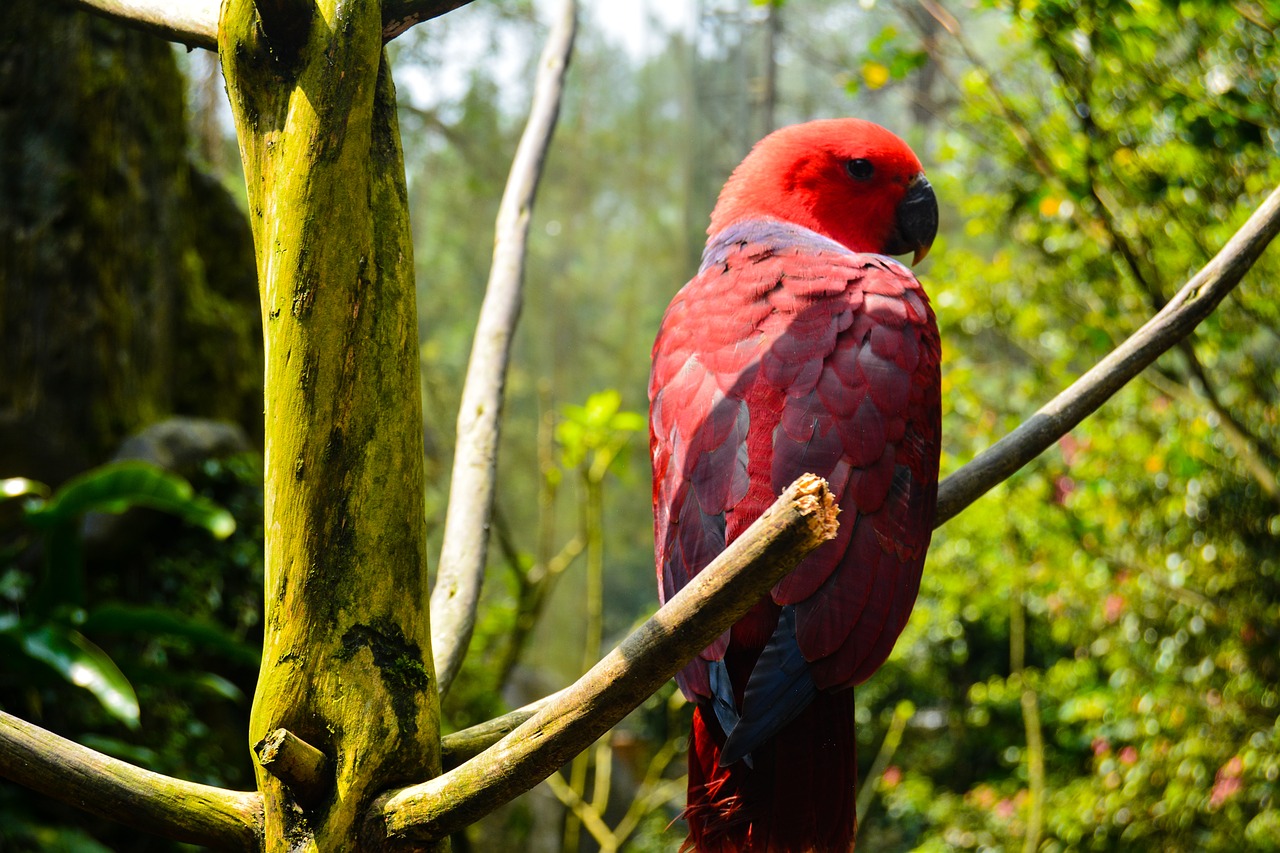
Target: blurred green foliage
(49,629)
(1120,594)
(142,641)
(593,435)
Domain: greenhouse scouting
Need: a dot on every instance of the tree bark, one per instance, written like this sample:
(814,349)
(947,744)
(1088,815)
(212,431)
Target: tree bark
(126,277)
(346,663)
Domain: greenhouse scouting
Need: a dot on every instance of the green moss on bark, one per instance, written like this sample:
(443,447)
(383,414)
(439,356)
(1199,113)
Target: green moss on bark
(346,661)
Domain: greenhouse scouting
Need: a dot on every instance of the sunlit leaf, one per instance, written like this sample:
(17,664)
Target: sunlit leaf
(118,486)
(220,686)
(628,422)
(85,665)
(16,487)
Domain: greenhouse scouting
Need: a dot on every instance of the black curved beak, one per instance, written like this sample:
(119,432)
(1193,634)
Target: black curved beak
(917,221)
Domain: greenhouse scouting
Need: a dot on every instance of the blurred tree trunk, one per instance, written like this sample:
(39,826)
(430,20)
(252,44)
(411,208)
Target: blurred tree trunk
(127,288)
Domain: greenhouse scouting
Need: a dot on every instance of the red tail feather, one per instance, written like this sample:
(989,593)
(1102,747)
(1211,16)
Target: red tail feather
(798,797)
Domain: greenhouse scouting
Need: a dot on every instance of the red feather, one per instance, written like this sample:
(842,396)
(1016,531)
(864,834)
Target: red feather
(788,353)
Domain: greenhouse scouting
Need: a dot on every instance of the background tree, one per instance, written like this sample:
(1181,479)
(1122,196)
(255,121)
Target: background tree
(125,272)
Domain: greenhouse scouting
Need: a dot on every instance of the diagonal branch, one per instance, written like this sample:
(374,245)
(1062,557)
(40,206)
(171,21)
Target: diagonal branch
(1256,453)
(466,527)
(400,15)
(800,520)
(1192,304)
(195,22)
(467,744)
(116,790)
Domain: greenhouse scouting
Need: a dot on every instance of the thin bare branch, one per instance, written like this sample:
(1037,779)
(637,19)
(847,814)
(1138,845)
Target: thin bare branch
(466,526)
(1030,702)
(190,22)
(119,791)
(590,818)
(400,15)
(798,522)
(652,792)
(902,715)
(1192,304)
(467,744)
(195,22)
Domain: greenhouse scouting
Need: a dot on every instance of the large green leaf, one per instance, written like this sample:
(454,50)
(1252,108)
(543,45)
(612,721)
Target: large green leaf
(119,486)
(85,665)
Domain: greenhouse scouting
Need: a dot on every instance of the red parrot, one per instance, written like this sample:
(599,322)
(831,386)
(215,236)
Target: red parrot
(798,347)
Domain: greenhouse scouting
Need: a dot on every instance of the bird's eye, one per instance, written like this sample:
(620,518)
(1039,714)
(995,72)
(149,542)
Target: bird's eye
(860,169)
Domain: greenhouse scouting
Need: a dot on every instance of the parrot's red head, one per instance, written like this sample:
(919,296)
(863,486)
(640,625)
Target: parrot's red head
(847,179)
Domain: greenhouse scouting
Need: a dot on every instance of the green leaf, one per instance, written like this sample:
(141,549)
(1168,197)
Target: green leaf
(17,487)
(154,621)
(220,686)
(1263,832)
(85,665)
(628,422)
(119,486)
(602,406)
(1087,706)
(572,438)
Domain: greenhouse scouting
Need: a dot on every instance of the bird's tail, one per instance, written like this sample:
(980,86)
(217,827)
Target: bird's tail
(798,795)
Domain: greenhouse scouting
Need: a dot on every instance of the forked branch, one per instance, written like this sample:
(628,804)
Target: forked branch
(800,520)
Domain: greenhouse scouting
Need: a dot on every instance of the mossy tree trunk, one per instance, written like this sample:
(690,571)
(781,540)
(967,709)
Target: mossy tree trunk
(346,660)
(126,277)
